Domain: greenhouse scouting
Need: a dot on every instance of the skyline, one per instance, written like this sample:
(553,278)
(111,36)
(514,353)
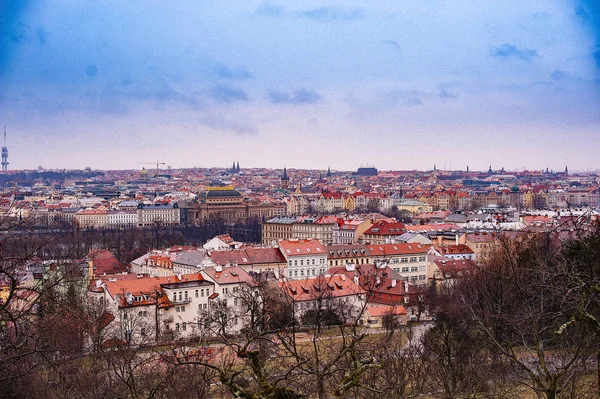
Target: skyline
(403,87)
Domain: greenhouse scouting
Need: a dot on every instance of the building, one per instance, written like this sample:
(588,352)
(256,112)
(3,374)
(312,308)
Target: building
(382,232)
(153,309)
(304,258)
(228,204)
(460,251)
(92,218)
(163,214)
(337,293)
(120,219)
(301,228)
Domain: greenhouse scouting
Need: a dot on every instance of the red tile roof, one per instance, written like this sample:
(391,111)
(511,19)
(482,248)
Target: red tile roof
(294,247)
(320,287)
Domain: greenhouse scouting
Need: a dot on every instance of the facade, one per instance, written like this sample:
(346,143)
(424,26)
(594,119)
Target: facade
(229,204)
(304,258)
(382,232)
(166,215)
(301,228)
(335,292)
(149,309)
(122,219)
(92,218)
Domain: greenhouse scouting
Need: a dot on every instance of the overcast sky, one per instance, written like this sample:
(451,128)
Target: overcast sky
(395,84)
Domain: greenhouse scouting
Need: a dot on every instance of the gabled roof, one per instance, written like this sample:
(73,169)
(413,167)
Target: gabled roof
(396,249)
(293,247)
(386,228)
(227,275)
(320,287)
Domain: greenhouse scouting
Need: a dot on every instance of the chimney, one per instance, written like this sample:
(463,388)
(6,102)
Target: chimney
(355,279)
(343,277)
(393,283)
(406,286)
(456,236)
(218,268)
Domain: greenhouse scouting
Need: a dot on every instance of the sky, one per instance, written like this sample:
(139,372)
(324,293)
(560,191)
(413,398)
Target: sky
(400,85)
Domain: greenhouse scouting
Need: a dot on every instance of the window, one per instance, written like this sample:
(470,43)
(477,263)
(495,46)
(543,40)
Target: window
(183,327)
(143,331)
(405,269)
(414,268)
(422,277)
(422,268)
(422,259)
(413,259)
(183,308)
(179,295)
(176,327)
(403,260)
(186,295)
(196,293)
(301,262)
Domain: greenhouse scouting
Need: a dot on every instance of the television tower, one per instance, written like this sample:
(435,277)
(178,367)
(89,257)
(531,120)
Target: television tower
(4,162)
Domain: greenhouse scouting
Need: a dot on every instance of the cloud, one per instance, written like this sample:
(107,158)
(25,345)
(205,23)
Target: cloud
(407,98)
(270,10)
(225,72)
(329,14)
(238,125)
(446,94)
(558,75)
(41,35)
(301,96)
(391,43)
(228,94)
(509,50)
(91,70)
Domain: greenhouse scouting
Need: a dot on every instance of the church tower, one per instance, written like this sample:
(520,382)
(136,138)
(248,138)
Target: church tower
(285,180)
(4,162)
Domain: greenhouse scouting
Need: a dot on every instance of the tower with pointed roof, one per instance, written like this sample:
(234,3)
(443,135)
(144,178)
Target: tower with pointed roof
(328,171)
(566,170)
(490,171)
(285,180)
(4,154)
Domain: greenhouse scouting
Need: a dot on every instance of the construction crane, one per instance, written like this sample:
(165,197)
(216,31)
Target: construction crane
(157,163)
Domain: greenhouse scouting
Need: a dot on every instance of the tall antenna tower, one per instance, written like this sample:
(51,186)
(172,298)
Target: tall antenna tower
(4,162)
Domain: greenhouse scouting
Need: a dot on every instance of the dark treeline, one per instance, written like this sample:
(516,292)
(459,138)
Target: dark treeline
(524,324)
(129,243)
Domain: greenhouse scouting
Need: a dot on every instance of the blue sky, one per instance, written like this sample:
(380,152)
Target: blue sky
(313,84)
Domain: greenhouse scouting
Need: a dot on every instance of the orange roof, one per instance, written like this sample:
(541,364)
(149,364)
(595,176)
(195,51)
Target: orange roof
(147,287)
(293,247)
(396,249)
(320,287)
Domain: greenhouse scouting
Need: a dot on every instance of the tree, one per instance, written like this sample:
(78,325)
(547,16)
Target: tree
(515,305)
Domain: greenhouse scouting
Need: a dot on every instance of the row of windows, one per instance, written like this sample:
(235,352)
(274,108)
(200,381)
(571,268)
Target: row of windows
(308,262)
(309,272)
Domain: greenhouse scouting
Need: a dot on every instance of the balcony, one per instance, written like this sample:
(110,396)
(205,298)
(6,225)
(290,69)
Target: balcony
(181,301)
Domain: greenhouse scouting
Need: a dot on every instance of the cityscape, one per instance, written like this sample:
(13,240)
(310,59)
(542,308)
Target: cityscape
(269,200)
